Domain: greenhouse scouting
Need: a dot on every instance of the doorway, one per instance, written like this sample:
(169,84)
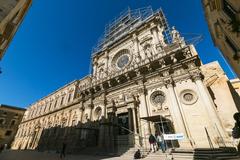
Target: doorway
(165,126)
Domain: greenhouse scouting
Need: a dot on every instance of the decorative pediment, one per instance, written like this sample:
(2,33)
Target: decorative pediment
(145,39)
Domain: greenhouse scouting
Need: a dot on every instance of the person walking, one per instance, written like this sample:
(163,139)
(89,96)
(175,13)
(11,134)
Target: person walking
(160,142)
(152,141)
(137,154)
(63,151)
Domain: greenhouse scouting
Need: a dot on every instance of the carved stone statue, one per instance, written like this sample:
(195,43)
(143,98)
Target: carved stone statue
(161,37)
(175,35)
(147,50)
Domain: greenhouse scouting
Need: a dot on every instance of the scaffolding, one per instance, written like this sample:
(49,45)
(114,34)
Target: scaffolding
(128,21)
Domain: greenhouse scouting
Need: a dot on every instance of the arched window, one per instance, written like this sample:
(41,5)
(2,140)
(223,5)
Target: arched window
(121,59)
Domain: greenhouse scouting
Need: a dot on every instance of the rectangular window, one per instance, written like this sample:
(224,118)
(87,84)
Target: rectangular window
(62,101)
(236,51)
(8,133)
(13,122)
(2,121)
(212,4)
(55,105)
(50,105)
(69,97)
(229,10)
(218,30)
(4,114)
(231,45)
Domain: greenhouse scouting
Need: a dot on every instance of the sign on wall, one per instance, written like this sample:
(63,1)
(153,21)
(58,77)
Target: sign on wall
(177,136)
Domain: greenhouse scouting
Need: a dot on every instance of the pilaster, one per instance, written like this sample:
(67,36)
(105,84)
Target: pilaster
(176,114)
(216,127)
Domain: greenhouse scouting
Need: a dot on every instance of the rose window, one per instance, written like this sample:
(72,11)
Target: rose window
(188,97)
(158,97)
(122,61)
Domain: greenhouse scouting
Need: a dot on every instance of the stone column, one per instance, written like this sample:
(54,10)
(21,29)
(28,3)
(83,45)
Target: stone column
(209,106)
(95,66)
(144,112)
(155,36)
(136,135)
(134,120)
(38,137)
(130,120)
(176,115)
(105,106)
(91,111)
(106,63)
(139,124)
(69,119)
(136,48)
(81,110)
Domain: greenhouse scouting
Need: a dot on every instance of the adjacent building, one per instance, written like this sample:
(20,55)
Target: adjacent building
(145,79)
(236,84)
(223,17)
(12,13)
(10,118)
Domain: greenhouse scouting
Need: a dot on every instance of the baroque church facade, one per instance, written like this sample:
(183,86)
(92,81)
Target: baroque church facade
(145,79)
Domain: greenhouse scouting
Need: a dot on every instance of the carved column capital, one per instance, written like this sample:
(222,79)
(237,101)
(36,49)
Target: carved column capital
(81,107)
(153,26)
(165,73)
(191,65)
(169,82)
(91,106)
(196,75)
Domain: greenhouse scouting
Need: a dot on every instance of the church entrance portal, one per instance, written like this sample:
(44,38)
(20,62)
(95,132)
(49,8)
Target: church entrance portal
(164,126)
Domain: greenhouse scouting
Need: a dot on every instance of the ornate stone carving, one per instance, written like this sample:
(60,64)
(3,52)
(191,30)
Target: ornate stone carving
(98,113)
(176,35)
(148,50)
(188,97)
(157,98)
(168,82)
(196,75)
(121,59)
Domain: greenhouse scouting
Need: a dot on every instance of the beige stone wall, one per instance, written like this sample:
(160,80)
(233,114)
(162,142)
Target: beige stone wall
(226,99)
(221,26)
(236,85)
(10,118)
(12,13)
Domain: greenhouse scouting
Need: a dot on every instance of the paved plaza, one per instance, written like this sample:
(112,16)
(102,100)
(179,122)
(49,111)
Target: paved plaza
(33,155)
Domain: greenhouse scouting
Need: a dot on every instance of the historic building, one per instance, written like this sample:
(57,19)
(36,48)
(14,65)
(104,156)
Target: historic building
(145,79)
(10,118)
(223,17)
(12,13)
(236,84)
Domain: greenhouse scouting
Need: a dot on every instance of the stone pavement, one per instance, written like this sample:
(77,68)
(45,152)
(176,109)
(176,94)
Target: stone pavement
(33,155)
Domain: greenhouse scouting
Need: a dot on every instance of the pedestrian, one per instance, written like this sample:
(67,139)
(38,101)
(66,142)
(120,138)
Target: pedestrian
(160,142)
(1,147)
(5,147)
(62,153)
(137,154)
(152,141)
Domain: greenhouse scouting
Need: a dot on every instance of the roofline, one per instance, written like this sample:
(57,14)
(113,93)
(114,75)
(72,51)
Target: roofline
(68,84)
(12,107)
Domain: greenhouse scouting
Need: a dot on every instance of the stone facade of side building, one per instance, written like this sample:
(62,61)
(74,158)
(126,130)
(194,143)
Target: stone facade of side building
(236,84)
(12,13)
(223,18)
(223,92)
(145,79)
(10,118)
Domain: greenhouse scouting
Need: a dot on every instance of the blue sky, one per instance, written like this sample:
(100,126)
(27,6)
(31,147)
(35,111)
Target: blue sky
(53,45)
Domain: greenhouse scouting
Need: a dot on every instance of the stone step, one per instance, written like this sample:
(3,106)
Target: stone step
(201,155)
